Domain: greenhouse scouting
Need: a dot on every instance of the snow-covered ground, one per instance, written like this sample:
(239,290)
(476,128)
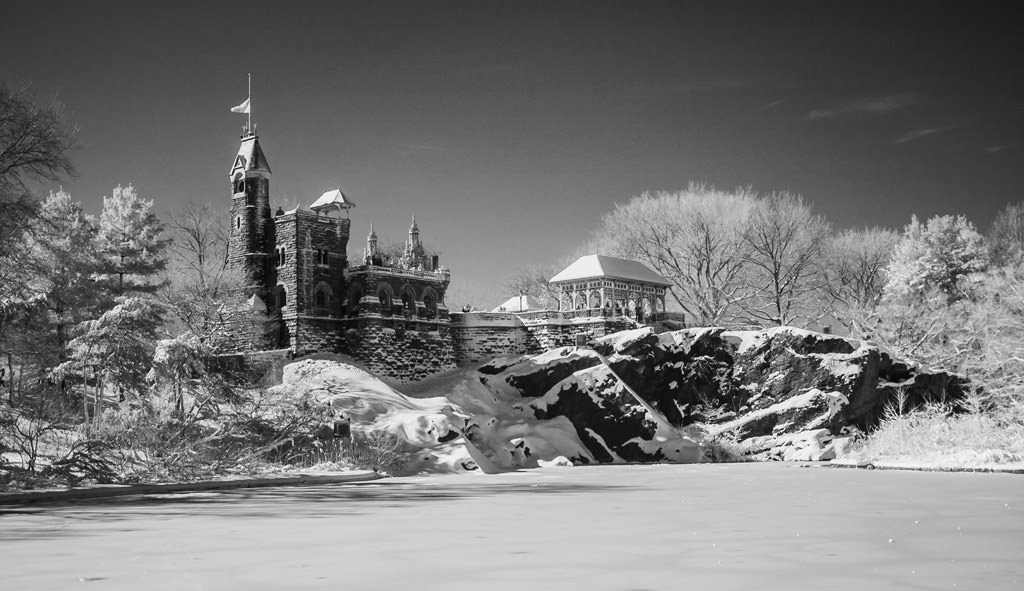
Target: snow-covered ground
(665,527)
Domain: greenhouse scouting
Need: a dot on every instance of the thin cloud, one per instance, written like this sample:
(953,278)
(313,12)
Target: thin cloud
(870,106)
(911,136)
(1001,148)
(689,87)
(418,147)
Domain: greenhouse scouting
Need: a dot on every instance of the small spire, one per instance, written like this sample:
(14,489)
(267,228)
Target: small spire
(372,235)
(414,229)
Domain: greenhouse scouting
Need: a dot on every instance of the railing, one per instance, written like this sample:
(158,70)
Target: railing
(437,275)
(600,313)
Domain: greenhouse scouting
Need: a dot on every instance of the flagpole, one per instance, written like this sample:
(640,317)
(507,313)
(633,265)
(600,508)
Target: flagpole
(250,103)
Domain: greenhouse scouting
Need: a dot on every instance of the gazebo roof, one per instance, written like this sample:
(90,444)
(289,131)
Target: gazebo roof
(332,198)
(594,266)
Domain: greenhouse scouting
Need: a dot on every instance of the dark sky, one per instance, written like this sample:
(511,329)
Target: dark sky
(510,128)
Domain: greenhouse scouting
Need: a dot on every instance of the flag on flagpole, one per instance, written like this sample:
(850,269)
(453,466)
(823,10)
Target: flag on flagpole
(242,108)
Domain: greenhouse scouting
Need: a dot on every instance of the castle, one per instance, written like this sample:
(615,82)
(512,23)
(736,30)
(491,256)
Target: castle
(390,314)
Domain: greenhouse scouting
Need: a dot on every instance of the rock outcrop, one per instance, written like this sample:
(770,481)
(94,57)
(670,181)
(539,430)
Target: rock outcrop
(638,396)
(783,393)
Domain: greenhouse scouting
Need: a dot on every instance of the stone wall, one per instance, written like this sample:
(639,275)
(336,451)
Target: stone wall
(484,336)
(480,336)
(403,349)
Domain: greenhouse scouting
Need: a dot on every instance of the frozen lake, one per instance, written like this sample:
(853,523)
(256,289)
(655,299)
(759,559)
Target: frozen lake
(749,526)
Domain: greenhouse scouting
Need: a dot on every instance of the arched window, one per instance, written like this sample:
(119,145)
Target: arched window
(384,296)
(408,301)
(322,297)
(280,297)
(430,303)
(355,294)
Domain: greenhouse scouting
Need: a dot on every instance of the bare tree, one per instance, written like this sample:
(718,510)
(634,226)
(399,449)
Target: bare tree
(532,282)
(694,238)
(35,146)
(1006,235)
(35,143)
(204,294)
(854,275)
(785,241)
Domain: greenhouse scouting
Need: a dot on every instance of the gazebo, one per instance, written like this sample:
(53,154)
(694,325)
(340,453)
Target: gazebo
(599,285)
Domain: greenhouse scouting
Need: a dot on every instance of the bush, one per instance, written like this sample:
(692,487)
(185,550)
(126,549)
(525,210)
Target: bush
(934,435)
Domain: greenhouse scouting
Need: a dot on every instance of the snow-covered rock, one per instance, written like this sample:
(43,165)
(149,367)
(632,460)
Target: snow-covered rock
(636,396)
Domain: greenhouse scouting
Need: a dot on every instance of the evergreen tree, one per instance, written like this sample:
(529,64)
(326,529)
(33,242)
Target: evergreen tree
(114,350)
(935,255)
(65,257)
(130,237)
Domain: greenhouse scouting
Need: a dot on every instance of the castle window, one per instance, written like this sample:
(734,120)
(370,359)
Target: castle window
(430,304)
(408,303)
(321,299)
(281,297)
(355,294)
(240,187)
(238,221)
(281,257)
(384,296)
(321,257)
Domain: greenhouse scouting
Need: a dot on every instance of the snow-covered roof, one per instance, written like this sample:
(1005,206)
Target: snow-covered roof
(332,198)
(519,303)
(598,265)
(250,157)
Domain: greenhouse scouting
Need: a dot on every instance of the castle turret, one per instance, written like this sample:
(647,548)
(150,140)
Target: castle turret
(415,257)
(252,229)
(371,254)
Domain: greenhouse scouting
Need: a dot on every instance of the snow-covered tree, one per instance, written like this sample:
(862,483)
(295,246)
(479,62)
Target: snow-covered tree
(937,254)
(784,243)
(178,365)
(114,350)
(131,237)
(65,243)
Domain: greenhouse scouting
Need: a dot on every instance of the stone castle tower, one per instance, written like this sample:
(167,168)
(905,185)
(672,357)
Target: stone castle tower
(252,228)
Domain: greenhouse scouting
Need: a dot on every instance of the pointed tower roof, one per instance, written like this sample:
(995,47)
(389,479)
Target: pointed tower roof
(414,227)
(250,157)
(331,199)
(372,235)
